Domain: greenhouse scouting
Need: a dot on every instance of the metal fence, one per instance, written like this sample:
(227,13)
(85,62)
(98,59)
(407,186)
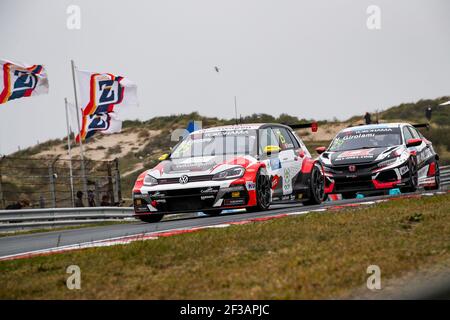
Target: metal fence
(39,218)
(55,182)
(445,175)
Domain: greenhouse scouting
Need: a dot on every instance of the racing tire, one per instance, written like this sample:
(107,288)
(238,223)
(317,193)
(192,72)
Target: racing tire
(213,213)
(263,190)
(437,178)
(151,218)
(316,187)
(413,180)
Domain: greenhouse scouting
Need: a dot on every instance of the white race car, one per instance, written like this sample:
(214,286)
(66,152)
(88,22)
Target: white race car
(239,166)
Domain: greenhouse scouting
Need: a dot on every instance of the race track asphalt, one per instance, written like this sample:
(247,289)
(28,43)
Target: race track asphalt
(20,244)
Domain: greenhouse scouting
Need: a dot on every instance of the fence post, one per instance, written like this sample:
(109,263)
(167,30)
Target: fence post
(52,185)
(110,183)
(118,185)
(2,200)
(96,193)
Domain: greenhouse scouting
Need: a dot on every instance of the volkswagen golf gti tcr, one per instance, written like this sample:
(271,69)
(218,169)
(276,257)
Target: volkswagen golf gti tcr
(239,166)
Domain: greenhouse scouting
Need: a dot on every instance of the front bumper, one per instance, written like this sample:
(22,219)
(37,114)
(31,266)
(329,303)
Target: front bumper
(193,198)
(365,178)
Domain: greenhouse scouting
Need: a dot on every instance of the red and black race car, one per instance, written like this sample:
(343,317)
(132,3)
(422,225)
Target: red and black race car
(240,166)
(379,157)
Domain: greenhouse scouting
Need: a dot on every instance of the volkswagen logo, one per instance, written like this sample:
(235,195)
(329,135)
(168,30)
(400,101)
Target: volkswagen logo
(184,179)
(352,168)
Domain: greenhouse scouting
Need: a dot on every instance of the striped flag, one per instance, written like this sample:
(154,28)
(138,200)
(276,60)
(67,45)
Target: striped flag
(21,80)
(105,123)
(103,96)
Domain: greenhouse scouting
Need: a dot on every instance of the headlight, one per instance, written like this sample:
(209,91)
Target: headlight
(150,181)
(386,163)
(229,174)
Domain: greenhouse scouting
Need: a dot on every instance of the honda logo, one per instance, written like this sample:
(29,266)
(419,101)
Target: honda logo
(184,179)
(352,168)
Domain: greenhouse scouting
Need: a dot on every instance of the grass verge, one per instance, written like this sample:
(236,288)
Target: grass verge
(318,255)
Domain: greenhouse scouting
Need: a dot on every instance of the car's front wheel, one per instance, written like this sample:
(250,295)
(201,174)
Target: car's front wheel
(263,189)
(151,218)
(413,180)
(316,187)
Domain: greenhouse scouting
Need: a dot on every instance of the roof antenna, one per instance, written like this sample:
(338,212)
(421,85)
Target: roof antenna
(235,110)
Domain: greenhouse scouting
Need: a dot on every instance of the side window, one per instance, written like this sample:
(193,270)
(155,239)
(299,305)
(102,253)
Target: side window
(285,141)
(298,143)
(407,134)
(294,140)
(267,138)
(415,133)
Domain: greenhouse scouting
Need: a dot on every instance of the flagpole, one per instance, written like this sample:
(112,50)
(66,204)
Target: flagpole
(70,154)
(83,172)
(235,110)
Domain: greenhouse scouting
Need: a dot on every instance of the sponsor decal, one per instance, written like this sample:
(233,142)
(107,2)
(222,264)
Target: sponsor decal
(207,197)
(287,179)
(403,170)
(356,154)
(275,164)
(275,181)
(242,132)
(250,185)
(208,190)
(422,156)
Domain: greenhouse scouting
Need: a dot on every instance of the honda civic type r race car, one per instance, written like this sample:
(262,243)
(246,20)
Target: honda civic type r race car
(239,166)
(377,158)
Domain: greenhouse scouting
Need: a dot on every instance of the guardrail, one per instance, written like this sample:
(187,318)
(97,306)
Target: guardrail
(445,175)
(33,218)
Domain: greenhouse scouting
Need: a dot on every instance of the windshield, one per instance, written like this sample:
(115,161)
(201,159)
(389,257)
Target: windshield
(366,138)
(217,143)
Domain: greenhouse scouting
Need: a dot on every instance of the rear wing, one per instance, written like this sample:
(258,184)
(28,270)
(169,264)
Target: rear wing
(422,125)
(313,125)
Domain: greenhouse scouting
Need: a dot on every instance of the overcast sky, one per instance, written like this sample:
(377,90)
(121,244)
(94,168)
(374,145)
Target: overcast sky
(312,59)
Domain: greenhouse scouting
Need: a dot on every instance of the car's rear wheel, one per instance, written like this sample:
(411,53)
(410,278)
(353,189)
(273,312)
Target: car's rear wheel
(316,187)
(413,180)
(151,218)
(263,190)
(437,177)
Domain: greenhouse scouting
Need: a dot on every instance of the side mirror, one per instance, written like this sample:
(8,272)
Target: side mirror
(271,149)
(320,150)
(413,143)
(163,157)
